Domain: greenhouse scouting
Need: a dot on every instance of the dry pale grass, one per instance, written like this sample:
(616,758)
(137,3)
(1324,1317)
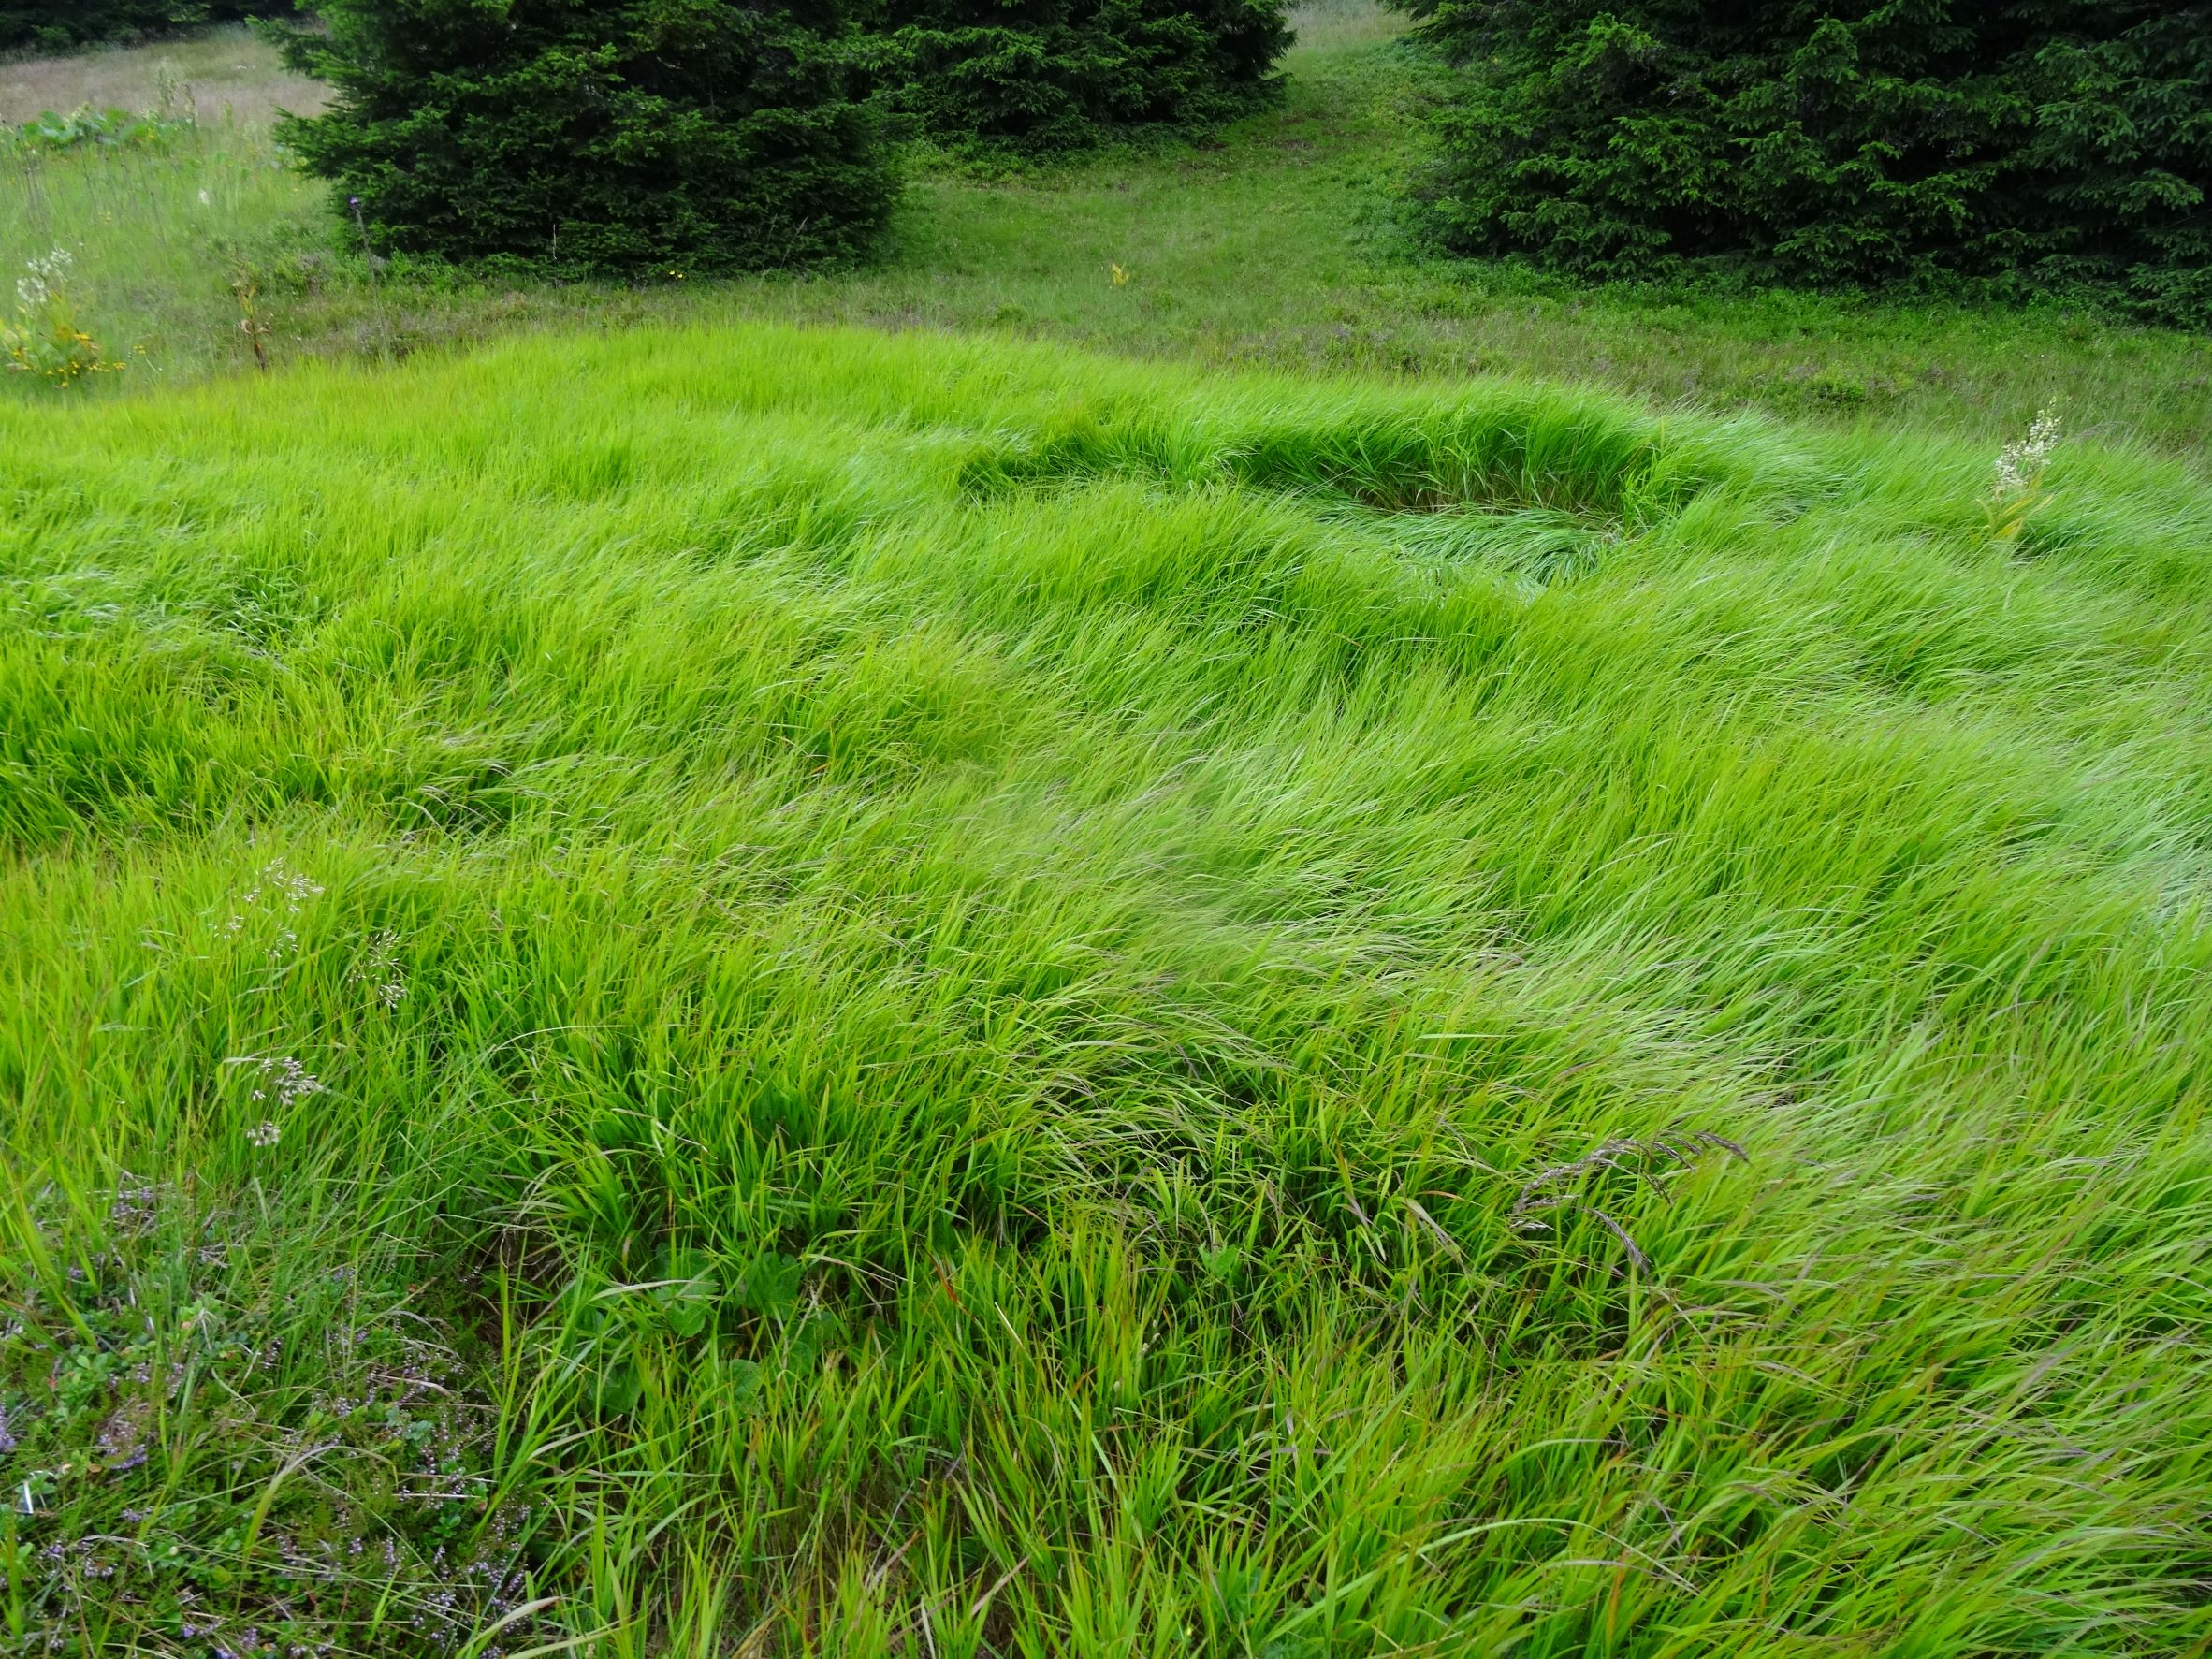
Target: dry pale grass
(1327,24)
(215,71)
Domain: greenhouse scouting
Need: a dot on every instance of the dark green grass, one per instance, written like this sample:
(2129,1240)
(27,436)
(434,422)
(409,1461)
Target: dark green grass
(964,998)
(1278,244)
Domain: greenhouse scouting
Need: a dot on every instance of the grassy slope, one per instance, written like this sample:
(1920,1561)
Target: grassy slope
(964,994)
(1273,248)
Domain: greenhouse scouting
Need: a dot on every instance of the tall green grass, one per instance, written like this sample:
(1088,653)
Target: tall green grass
(162,235)
(795,992)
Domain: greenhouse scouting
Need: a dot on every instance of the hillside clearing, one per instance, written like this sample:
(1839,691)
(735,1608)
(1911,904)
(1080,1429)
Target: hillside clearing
(1276,245)
(858,995)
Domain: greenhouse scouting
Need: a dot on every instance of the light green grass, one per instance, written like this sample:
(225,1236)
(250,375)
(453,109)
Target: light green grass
(970,999)
(1279,245)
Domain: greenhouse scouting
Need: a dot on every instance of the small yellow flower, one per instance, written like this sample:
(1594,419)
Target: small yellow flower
(1121,277)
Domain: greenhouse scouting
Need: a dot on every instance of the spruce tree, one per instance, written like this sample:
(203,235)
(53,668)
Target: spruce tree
(608,136)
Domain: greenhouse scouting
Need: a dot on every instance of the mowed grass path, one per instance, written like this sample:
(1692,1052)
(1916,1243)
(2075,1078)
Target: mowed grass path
(948,999)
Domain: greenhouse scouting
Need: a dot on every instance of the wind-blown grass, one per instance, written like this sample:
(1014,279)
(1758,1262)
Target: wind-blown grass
(793,991)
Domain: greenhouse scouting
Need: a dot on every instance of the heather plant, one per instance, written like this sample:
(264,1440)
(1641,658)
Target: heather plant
(340,1493)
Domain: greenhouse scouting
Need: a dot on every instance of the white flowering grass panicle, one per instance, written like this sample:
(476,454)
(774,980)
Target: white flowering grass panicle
(2017,492)
(379,968)
(42,279)
(276,898)
(283,1077)
(45,339)
(276,1084)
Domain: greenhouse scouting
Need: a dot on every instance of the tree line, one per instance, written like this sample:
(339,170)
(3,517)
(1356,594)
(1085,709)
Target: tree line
(2037,146)
(2032,145)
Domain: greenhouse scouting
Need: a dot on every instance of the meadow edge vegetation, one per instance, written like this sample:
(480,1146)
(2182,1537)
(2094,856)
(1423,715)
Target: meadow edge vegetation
(56,25)
(2042,145)
(796,992)
(1275,243)
(657,136)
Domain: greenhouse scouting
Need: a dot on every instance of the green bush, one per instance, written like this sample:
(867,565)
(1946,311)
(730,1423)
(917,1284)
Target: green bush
(55,25)
(1063,74)
(2046,142)
(617,137)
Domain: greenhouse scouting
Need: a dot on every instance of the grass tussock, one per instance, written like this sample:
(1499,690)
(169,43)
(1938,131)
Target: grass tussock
(791,992)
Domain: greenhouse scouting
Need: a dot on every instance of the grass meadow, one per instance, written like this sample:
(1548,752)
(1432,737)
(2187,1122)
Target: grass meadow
(802,969)
(1279,245)
(793,991)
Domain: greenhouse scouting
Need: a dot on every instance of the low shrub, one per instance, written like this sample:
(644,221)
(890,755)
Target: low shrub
(1065,74)
(87,128)
(579,137)
(2053,143)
